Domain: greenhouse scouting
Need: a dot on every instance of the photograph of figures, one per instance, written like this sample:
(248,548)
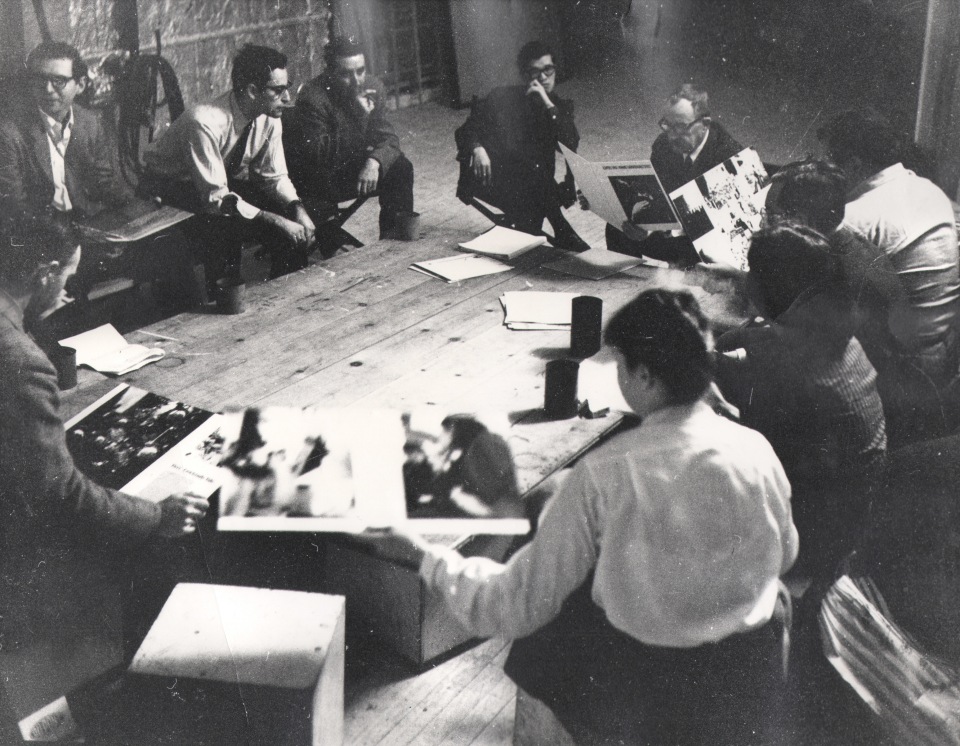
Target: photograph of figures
(289,469)
(721,209)
(146,445)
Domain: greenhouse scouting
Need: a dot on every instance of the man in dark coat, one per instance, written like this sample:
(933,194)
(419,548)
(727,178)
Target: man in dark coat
(339,144)
(507,149)
(689,145)
(53,153)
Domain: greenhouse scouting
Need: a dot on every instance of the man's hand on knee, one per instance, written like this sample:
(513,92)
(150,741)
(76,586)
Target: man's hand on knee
(369,177)
(482,168)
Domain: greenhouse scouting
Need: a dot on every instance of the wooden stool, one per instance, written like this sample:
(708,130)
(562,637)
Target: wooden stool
(246,665)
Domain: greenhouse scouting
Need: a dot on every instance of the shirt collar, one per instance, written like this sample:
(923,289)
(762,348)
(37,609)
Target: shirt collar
(677,413)
(696,153)
(240,120)
(890,173)
(11,309)
(52,124)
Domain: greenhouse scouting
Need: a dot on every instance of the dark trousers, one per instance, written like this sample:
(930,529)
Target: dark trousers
(395,191)
(606,687)
(525,197)
(220,238)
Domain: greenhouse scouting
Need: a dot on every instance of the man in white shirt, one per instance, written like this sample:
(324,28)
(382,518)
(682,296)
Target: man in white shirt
(678,529)
(225,160)
(912,222)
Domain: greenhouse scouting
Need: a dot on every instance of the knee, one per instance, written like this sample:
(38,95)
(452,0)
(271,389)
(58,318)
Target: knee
(401,170)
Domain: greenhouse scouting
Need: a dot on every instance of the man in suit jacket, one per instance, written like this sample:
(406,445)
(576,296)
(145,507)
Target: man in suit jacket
(52,153)
(56,522)
(339,143)
(507,149)
(689,145)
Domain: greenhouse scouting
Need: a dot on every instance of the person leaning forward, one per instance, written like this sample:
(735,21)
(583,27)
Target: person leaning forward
(507,149)
(340,144)
(690,143)
(56,521)
(224,159)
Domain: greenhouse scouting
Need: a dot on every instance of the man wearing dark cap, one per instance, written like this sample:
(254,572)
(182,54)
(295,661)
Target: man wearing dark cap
(340,145)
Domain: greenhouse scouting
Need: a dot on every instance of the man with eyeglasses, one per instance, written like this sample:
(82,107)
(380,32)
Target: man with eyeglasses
(507,149)
(341,145)
(225,160)
(52,153)
(690,144)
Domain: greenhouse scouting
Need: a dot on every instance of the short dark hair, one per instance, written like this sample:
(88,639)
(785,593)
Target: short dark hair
(697,97)
(812,188)
(786,259)
(532,50)
(31,240)
(864,134)
(666,331)
(255,65)
(58,50)
(339,48)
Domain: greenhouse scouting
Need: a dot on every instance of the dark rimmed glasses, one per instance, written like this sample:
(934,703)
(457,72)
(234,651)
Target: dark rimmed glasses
(678,128)
(59,82)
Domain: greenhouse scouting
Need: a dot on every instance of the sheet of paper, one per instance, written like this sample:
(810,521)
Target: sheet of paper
(597,383)
(537,307)
(106,351)
(504,243)
(463,267)
(595,264)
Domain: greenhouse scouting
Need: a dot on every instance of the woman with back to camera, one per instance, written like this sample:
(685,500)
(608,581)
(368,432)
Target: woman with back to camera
(649,601)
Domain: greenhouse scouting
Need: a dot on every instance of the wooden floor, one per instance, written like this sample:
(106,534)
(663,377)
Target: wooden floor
(466,699)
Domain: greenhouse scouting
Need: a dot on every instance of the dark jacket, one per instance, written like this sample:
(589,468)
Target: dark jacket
(521,137)
(26,178)
(327,137)
(53,519)
(807,386)
(669,164)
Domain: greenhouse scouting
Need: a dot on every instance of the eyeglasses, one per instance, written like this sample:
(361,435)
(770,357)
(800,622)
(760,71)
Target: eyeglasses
(541,72)
(59,82)
(678,128)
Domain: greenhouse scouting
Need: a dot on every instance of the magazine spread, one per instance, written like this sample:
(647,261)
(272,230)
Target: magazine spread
(722,209)
(627,190)
(146,445)
(347,470)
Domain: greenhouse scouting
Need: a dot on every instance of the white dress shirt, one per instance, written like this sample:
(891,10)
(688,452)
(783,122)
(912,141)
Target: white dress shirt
(58,138)
(685,519)
(198,143)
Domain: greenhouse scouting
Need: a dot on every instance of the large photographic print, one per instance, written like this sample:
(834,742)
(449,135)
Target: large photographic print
(722,209)
(313,469)
(146,445)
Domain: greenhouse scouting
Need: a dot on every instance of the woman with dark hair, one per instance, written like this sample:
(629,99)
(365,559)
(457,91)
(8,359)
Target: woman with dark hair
(648,598)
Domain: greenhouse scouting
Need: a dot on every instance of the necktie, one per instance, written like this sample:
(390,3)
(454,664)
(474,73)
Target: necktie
(235,157)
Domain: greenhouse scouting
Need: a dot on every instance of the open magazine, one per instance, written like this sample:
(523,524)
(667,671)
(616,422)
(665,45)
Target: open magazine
(347,470)
(621,191)
(146,445)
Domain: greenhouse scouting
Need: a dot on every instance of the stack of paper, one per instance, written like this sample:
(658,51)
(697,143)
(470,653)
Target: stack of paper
(529,309)
(595,264)
(457,268)
(104,350)
(503,243)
